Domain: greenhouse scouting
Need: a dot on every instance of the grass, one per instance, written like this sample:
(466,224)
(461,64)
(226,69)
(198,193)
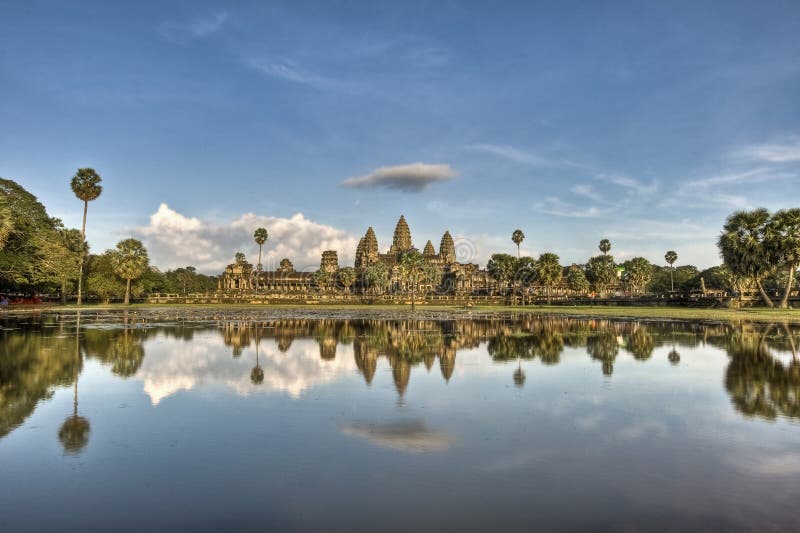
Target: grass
(755,314)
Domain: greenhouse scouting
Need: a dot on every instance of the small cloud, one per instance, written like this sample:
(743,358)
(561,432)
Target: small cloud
(410,436)
(786,152)
(513,154)
(757,175)
(194,29)
(415,177)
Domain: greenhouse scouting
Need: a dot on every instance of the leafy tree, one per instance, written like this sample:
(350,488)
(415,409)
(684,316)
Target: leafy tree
(524,273)
(684,278)
(260,237)
(376,276)
(323,279)
(347,276)
(601,272)
(129,261)
(30,244)
(576,280)
(638,273)
(782,241)
(86,186)
(517,237)
(670,257)
(549,271)
(415,270)
(502,268)
(605,246)
(101,280)
(742,247)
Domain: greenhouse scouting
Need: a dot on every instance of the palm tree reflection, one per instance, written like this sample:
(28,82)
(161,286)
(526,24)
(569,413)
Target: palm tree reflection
(74,432)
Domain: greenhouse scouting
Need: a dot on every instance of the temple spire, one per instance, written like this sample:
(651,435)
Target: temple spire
(402,236)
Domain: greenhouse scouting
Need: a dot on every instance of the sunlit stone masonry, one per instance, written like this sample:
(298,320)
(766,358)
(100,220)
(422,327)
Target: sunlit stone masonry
(452,276)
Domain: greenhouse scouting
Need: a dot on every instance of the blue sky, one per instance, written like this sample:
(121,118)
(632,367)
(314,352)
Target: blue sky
(643,122)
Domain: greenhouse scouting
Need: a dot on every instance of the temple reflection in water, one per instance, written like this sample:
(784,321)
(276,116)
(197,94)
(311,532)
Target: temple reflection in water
(40,353)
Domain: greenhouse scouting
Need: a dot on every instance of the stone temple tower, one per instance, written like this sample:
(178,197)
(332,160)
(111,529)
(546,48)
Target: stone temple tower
(367,250)
(447,248)
(330,261)
(402,237)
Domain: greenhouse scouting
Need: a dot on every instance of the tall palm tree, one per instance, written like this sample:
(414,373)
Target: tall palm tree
(74,432)
(742,248)
(261,237)
(86,186)
(605,246)
(670,257)
(782,239)
(129,262)
(517,237)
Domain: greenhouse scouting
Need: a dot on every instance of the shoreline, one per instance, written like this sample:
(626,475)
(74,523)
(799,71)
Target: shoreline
(622,312)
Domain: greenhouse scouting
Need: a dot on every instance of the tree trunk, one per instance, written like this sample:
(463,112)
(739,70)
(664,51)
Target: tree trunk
(671,279)
(788,290)
(413,294)
(128,292)
(764,296)
(83,257)
(64,292)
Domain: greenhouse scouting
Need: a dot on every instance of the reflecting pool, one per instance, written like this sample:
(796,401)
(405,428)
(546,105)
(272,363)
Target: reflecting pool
(280,420)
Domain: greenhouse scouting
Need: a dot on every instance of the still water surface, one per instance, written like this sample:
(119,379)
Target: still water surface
(281,421)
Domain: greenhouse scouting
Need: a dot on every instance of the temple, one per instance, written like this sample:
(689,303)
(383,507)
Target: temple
(452,276)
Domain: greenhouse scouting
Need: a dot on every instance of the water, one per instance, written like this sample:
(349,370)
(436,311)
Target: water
(282,421)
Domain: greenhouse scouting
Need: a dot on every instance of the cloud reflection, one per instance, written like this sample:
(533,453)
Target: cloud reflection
(412,436)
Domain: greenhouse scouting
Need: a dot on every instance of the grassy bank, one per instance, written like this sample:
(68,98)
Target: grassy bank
(649,313)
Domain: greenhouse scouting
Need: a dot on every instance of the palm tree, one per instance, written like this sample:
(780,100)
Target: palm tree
(74,432)
(129,262)
(742,248)
(517,237)
(86,186)
(415,269)
(670,257)
(782,239)
(605,246)
(549,271)
(347,276)
(261,237)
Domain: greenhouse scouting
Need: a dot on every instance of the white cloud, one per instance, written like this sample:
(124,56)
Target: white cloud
(175,240)
(406,436)
(193,29)
(756,175)
(288,70)
(587,191)
(786,152)
(415,177)
(513,154)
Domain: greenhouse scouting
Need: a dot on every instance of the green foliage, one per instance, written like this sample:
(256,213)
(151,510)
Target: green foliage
(86,184)
(347,276)
(502,267)
(323,279)
(130,259)
(415,270)
(101,280)
(517,237)
(376,276)
(260,236)
(548,269)
(605,246)
(36,251)
(576,280)
(742,246)
(525,271)
(601,272)
(638,273)
(670,257)
(683,275)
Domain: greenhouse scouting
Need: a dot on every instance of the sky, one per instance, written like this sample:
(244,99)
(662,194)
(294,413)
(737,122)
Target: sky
(646,123)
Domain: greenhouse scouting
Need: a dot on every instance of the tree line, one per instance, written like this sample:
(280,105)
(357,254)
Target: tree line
(38,254)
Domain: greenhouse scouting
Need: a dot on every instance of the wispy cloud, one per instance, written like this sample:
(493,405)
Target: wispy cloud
(629,183)
(785,152)
(587,191)
(415,177)
(288,70)
(193,29)
(556,207)
(756,175)
(513,154)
